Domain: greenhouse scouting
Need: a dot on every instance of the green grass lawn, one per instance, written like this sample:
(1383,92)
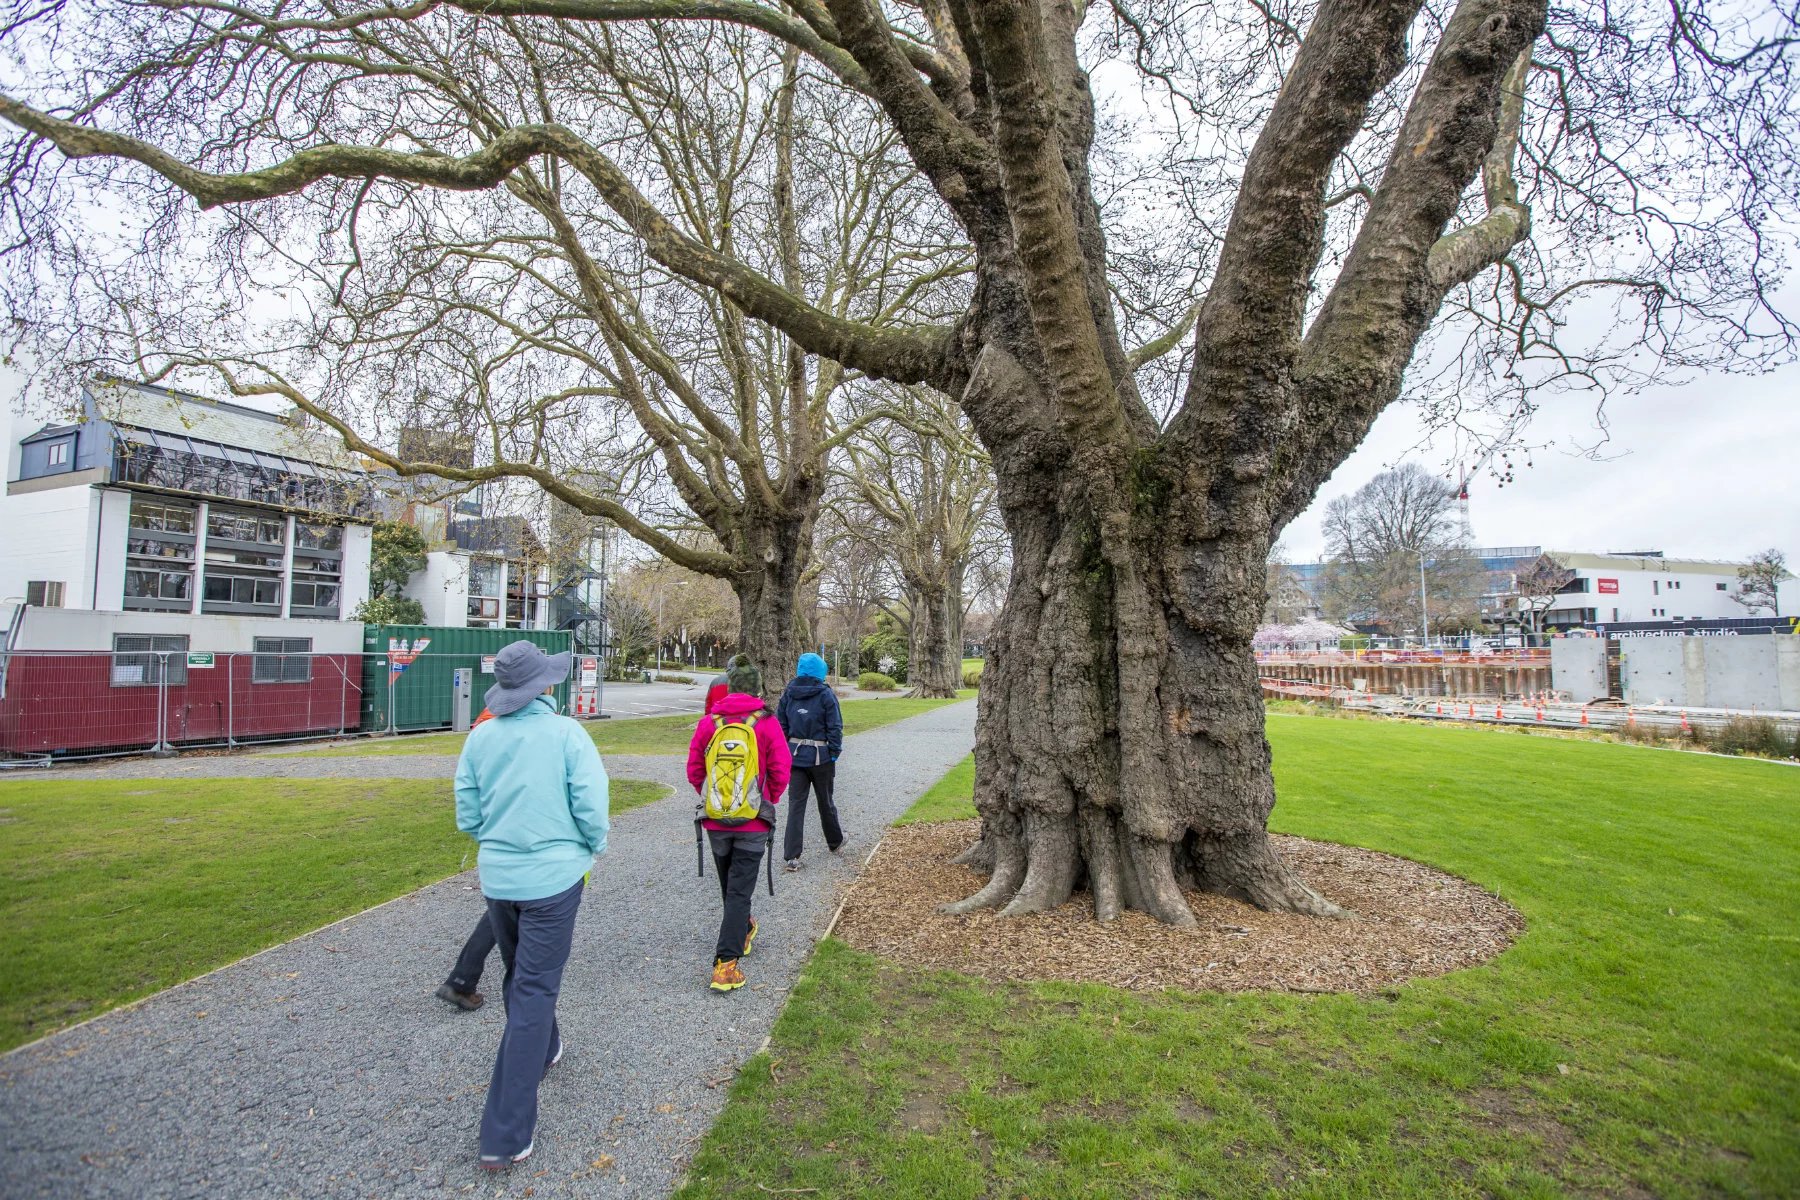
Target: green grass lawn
(949,799)
(647,735)
(116,889)
(1641,1039)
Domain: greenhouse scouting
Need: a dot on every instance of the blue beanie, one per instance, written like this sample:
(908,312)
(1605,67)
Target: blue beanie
(811,666)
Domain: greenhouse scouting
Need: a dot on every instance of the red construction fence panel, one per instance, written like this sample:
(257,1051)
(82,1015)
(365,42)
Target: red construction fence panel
(85,702)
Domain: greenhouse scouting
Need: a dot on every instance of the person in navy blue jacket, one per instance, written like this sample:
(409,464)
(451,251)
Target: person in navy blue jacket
(814,725)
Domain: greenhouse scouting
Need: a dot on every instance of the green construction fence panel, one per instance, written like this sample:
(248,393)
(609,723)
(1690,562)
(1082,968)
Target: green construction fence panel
(407,671)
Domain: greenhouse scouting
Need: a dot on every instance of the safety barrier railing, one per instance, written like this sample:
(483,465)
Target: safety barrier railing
(1355,657)
(86,704)
(1544,710)
(83,704)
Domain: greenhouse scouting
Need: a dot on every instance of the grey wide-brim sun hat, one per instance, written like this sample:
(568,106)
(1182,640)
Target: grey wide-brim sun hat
(521,672)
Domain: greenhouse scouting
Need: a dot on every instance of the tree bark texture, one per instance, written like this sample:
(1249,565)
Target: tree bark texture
(935,670)
(766,589)
(1132,788)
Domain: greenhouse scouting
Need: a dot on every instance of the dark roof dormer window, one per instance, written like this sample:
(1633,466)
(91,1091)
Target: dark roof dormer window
(51,450)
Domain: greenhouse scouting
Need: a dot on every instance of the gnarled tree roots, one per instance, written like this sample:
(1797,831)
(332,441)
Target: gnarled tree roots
(1036,862)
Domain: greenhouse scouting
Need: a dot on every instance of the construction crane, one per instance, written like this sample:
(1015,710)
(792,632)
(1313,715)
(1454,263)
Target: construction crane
(1462,490)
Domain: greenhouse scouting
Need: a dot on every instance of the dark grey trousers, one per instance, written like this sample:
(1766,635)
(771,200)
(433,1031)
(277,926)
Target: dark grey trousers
(820,779)
(534,938)
(737,856)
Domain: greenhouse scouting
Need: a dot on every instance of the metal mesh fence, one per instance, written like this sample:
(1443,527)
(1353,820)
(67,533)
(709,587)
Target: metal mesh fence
(81,704)
(89,703)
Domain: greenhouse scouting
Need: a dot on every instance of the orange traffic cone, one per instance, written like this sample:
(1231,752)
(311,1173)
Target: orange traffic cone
(1498,714)
(1685,727)
(1584,719)
(1540,712)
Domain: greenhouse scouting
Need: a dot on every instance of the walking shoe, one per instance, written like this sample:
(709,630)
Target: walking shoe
(840,845)
(467,1001)
(750,938)
(793,864)
(555,1058)
(726,976)
(499,1162)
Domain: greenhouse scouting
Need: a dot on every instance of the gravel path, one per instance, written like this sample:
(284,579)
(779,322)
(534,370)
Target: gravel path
(325,1068)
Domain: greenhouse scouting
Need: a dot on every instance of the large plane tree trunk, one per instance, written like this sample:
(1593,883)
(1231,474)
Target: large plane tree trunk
(1120,745)
(935,669)
(776,554)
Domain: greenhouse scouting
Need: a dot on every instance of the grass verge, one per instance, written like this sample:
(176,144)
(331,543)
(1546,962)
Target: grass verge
(119,888)
(1639,1039)
(951,798)
(643,735)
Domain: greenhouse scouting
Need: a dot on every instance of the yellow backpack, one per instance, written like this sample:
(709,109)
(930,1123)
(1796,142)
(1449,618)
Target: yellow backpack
(733,793)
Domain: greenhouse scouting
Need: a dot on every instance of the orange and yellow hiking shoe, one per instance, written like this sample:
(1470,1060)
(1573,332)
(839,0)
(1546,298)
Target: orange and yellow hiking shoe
(726,975)
(750,938)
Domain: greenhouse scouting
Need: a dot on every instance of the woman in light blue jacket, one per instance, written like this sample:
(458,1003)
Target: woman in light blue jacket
(531,789)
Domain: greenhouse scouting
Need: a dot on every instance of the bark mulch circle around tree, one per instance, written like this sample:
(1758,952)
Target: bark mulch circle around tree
(1411,921)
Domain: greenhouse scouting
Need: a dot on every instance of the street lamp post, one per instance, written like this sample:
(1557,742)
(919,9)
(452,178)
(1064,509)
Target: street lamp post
(662,601)
(1424,613)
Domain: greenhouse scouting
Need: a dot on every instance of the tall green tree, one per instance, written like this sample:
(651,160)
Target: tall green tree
(396,553)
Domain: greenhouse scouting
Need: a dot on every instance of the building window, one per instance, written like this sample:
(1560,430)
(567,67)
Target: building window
(1656,587)
(156,548)
(242,589)
(243,527)
(314,595)
(44,593)
(161,518)
(281,660)
(158,585)
(1723,587)
(485,589)
(59,454)
(308,536)
(140,659)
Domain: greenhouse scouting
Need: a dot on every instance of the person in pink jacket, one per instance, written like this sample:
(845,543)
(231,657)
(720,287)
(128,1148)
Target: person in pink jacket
(738,850)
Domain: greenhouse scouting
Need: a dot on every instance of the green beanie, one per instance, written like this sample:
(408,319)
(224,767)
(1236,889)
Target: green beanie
(741,676)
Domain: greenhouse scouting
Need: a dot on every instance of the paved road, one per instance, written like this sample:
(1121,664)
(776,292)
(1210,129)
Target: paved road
(324,1067)
(656,699)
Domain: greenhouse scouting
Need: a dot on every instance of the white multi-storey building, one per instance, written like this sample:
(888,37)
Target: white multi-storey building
(1615,589)
(157,505)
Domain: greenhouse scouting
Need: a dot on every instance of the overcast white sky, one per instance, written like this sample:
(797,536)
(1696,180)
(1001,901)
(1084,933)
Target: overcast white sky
(1706,470)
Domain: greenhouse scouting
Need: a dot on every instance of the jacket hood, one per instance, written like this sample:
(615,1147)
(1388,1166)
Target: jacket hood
(811,667)
(805,686)
(736,704)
